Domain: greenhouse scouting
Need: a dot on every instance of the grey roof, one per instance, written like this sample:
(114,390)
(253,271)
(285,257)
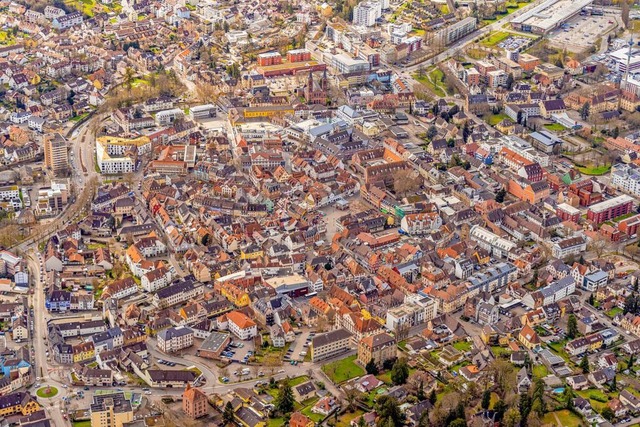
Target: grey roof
(330,337)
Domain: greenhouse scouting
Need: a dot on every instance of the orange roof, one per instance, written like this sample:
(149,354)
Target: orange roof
(240,320)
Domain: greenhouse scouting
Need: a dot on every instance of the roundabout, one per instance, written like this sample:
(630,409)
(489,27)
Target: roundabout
(47,392)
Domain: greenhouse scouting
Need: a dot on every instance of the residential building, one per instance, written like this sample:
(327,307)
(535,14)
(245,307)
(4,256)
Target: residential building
(330,344)
(194,403)
(378,347)
(610,209)
(241,325)
(172,340)
(110,410)
(56,157)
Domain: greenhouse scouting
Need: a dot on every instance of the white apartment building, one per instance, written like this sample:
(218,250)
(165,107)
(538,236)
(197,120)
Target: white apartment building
(413,312)
(155,279)
(112,164)
(626,177)
(366,13)
(567,247)
(241,325)
(498,246)
(175,339)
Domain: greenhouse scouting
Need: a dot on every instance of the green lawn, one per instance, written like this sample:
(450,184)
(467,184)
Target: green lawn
(556,127)
(566,418)
(462,346)
(494,119)
(500,351)
(345,420)
(47,392)
(614,312)
(137,82)
(85,423)
(594,170)
(80,117)
(298,380)
(275,422)
(343,370)
(596,398)
(433,79)
(540,371)
(495,38)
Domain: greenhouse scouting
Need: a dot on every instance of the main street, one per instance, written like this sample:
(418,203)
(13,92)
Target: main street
(42,368)
(468,39)
(81,154)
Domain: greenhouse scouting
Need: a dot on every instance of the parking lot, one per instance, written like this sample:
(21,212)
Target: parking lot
(581,32)
(300,345)
(515,43)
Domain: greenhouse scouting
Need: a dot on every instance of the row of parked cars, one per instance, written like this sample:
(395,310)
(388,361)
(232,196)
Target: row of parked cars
(166,362)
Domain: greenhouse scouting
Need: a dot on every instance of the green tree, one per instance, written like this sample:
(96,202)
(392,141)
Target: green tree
(433,397)
(632,360)
(285,401)
(584,364)
(458,422)
(227,415)
(511,418)
(614,385)
(568,396)
(500,195)
(420,393)
(388,408)
(486,399)
(500,408)
(431,132)
(538,404)
(584,111)
(129,77)
(524,406)
(371,367)
(607,413)
(400,372)
(572,327)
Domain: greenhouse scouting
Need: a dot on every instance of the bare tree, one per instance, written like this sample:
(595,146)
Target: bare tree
(405,182)
(598,245)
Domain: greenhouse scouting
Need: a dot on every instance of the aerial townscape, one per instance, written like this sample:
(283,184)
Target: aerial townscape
(337,213)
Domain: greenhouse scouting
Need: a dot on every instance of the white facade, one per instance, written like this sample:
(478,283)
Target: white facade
(366,13)
(112,165)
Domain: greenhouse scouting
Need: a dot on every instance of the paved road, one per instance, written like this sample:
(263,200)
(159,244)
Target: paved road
(42,368)
(448,53)
(81,152)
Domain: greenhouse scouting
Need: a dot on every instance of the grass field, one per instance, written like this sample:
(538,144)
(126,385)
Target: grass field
(47,392)
(494,119)
(87,7)
(463,346)
(345,420)
(565,417)
(614,312)
(433,79)
(500,351)
(343,370)
(540,371)
(298,380)
(556,127)
(85,423)
(495,38)
(594,170)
